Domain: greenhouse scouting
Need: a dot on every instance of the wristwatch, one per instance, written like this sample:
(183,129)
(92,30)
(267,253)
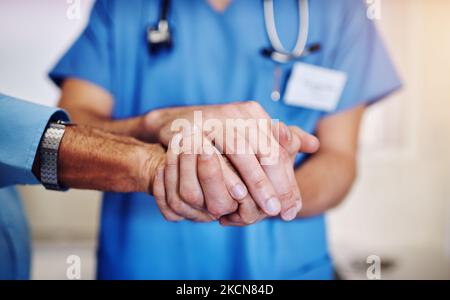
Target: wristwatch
(48,151)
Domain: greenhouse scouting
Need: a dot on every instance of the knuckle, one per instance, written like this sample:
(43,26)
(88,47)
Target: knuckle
(188,155)
(248,219)
(220,209)
(215,210)
(233,109)
(208,173)
(208,177)
(191,196)
(286,195)
(259,180)
(224,109)
(171,163)
(252,104)
(229,109)
(232,207)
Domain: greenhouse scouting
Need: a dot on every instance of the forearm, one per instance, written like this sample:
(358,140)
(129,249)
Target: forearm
(90,158)
(324,180)
(133,127)
(91,105)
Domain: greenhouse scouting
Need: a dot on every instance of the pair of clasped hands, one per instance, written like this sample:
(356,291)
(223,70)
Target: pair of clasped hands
(215,167)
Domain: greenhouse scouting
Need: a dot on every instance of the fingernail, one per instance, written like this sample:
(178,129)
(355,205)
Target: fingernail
(290,214)
(313,143)
(239,191)
(273,206)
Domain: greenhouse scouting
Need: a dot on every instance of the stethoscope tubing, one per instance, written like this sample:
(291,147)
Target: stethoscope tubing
(277,52)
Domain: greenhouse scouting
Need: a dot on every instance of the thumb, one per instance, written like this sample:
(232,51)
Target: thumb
(294,140)
(308,142)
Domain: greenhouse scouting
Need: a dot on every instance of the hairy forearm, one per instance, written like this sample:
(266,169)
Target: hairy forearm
(324,180)
(90,158)
(133,127)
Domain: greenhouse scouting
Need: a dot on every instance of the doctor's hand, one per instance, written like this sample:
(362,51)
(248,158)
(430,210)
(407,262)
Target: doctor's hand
(204,191)
(290,139)
(272,186)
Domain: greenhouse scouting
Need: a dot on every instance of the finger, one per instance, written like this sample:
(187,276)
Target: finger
(171,182)
(288,194)
(277,163)
(160,197)
(308,142)
(235,219)
(238,150)
(217,199)
(190,189)
(280,171)
(297,195)
(248,212)
(257,182)
(294,139)
(237,189)
(234,184)
(291,143)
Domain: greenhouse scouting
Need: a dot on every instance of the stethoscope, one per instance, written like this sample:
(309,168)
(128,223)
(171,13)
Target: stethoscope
(159,38)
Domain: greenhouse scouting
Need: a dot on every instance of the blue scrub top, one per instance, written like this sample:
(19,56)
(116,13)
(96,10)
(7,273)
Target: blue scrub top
(22,125)
(216,59)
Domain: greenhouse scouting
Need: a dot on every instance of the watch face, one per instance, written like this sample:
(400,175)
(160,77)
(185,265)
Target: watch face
(65,123)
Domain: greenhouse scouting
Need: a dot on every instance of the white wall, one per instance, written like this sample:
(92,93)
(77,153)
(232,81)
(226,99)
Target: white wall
(399,207)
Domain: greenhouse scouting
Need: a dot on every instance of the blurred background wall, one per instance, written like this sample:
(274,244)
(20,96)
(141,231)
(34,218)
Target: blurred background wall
(399,208)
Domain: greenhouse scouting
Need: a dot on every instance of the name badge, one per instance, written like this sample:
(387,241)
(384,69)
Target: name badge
(315,87)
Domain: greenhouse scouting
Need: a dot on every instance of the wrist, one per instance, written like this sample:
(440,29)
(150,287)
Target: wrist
(92,159)
(45,165)
(149,158)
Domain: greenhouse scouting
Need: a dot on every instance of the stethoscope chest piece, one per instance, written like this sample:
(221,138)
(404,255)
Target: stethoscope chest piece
(159,37)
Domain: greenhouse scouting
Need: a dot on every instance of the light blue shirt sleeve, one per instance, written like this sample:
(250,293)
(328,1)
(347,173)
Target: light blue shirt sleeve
(22,125)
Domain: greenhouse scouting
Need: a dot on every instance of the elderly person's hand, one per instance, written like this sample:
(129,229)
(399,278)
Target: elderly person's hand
(203,187)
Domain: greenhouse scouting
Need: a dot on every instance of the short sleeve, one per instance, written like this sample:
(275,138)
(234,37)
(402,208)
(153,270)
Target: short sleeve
(361,54)
(89,57)
(22,125)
